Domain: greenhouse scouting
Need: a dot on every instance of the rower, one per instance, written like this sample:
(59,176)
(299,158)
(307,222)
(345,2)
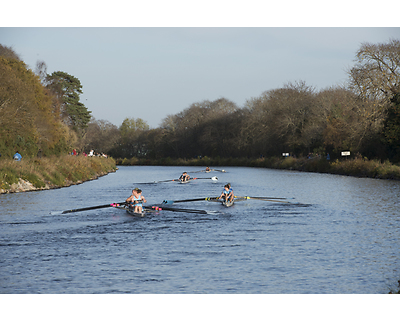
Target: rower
(136,200)
(208,169)
(184,177)
(227,193)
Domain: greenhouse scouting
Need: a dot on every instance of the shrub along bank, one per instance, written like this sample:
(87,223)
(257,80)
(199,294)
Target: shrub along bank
(51,172)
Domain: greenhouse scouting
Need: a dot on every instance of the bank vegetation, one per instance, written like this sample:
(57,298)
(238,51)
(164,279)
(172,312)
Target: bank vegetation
(51,172)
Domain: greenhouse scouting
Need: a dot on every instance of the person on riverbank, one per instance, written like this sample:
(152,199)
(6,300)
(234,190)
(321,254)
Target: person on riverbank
(17,156)
(184,177)
(227,193)
(136,200)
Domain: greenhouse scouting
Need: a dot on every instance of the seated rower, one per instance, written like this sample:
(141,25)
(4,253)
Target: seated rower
(184,177)
(136,200)
(208,169)
(227,193)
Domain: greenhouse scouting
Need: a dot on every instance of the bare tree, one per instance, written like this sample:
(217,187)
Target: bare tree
(376,75)
(41,71)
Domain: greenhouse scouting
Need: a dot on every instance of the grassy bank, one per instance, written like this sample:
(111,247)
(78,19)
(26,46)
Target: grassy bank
(51,172)
(358,167)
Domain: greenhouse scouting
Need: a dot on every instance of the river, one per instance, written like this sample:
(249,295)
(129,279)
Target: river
(337,235)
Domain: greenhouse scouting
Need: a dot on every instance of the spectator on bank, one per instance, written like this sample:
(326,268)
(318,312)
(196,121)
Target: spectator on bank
(17,156)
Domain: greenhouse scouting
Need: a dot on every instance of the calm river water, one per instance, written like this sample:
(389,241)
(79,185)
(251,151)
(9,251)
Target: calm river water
(337,235)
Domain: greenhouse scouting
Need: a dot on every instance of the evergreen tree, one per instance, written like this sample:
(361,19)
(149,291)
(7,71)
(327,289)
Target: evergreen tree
(68,88)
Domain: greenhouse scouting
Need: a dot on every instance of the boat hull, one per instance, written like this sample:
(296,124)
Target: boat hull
(228,203)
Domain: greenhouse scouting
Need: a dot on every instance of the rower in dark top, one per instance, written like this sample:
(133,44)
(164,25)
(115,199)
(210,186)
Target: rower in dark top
(184,177)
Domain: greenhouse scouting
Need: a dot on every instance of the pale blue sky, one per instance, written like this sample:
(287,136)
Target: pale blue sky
(150,73)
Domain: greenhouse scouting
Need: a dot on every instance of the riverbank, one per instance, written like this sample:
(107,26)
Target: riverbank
(358,167)
(56,172)
(51,172)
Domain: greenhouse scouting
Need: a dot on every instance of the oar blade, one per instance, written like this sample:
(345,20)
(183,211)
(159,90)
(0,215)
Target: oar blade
(272,199)
(215,178)
(88,208)
(162,207)
(169,202)
(267,198)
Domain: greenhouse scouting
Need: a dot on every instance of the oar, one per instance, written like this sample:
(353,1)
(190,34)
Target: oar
(263,199)
(188,200)
(218,170)
(212,178)
(170,180)
(91,208)
(176,209)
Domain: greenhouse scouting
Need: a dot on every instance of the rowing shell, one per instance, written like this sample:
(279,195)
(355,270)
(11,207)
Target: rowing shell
(131,211)
(227,203)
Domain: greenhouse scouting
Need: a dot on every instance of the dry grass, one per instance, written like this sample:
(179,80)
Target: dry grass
(53,171)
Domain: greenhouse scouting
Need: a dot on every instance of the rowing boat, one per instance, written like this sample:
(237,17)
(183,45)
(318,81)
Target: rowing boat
(228,203)
(131,211)
(145,210)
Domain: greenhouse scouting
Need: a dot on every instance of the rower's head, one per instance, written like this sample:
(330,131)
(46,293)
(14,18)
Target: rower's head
(138,191)
(226,186)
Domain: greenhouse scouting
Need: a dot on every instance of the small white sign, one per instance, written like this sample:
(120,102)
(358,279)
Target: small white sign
(345,153)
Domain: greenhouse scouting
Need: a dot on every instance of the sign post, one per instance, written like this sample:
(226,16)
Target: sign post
(345,154)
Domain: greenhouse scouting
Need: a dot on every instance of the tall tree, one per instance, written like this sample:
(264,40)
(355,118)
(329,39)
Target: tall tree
(376,79)
(376,75)
(131,144)
(391,129)
(68,88)
(27,121)
(101,136)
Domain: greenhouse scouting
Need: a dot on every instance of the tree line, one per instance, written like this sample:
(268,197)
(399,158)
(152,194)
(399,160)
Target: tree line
(362,117)
(40,112)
